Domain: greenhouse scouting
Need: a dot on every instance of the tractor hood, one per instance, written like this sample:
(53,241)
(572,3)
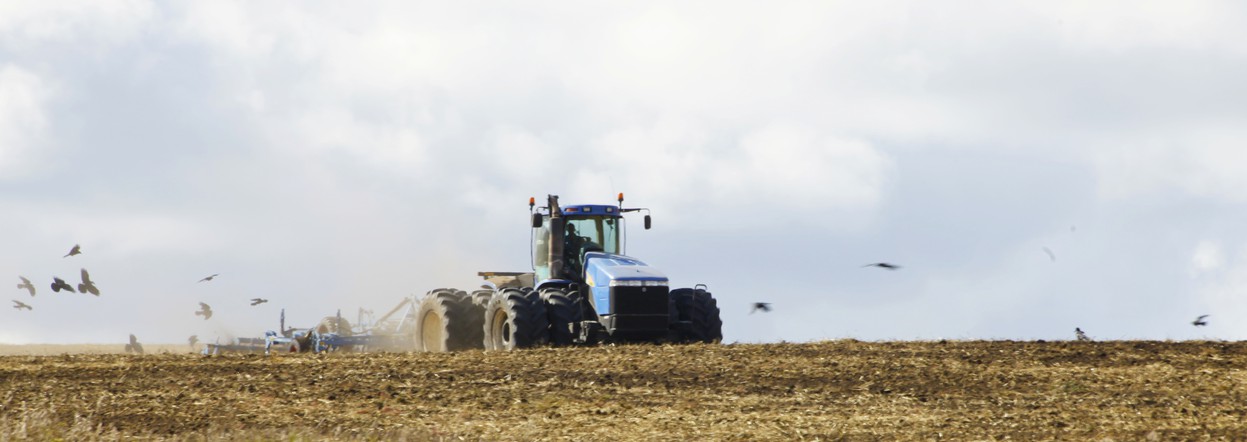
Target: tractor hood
(604,271)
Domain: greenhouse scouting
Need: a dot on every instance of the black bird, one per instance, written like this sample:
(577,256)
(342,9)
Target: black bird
(59,284)
(763,306)
(26,285)
(1080,335)
(87,286)
(209,278)
(134,346)
(194,339)
(883,265)
(1051,255)
(74,251)
(257,301)
(1198,322)
(205,311)
(21,305)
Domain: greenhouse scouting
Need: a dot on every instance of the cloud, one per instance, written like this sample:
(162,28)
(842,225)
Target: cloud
(29,28)
(24,119)
(1207,258)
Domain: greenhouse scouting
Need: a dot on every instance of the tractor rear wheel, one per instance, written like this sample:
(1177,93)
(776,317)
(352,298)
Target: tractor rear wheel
(701,310)
(515,318)
(444,322)
(562,310)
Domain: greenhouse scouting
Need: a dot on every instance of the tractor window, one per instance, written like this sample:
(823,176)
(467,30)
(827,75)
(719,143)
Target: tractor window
(603,231)
(541,252)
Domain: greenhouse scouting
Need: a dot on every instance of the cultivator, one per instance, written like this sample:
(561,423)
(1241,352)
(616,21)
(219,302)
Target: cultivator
(333,333)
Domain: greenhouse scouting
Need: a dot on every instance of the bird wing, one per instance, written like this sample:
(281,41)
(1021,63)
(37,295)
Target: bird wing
(24,280)
(86,277)
(1201,317)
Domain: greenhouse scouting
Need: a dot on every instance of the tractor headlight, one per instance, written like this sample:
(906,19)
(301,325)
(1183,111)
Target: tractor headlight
(637,283)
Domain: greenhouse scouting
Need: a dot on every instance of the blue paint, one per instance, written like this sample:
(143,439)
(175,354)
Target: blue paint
(602,268)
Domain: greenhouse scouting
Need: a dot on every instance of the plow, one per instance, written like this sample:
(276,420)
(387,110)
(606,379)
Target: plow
(582,290)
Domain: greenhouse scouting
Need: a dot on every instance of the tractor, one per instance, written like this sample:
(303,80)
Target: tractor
(582,291)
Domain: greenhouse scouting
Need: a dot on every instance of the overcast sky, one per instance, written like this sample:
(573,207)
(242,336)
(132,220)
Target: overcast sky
(327,155)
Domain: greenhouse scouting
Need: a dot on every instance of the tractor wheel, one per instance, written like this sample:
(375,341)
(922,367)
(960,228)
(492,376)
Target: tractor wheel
(515,319)
(443,322)
(702,311)
(482,297)
(471,334)
(562,310)
(334,324)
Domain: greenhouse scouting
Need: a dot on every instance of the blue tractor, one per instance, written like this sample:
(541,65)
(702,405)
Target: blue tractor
(582,290)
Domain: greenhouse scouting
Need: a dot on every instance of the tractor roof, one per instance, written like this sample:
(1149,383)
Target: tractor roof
(590,209)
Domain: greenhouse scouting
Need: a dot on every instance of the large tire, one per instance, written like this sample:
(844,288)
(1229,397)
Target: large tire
(515,318)
(482,297)
(334,324)
(562,310)
(700,309)
(444,322)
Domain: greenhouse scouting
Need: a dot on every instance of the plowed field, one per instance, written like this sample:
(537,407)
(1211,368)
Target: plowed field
(839,390)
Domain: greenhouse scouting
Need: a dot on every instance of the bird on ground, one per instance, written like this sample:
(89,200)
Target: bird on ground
(26,285)
(205,311)
(87,285)
(760,306)
(74,251)
(59,284)
(21,305)
(1051,255)
(134,346)
(1198,322)
(194,339)
(883,265)
(1080,335)
(257,301)
(209,278)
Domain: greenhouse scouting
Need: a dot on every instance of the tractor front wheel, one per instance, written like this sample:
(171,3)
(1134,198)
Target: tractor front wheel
(515,318)
(562,310)
(700,309)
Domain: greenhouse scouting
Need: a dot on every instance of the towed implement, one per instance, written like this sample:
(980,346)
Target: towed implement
(391,332)
(582,290)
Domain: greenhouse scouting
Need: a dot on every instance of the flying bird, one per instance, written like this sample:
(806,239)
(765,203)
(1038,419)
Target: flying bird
(760,306)
(21,305)
(1051,255)
(1198,322)
(87,285)
(1078,333)
(26,285)
(74,251)
(205,311)
(209,278)
(257,301)
(883,265)
(59,284)
(134,346)
(194,339)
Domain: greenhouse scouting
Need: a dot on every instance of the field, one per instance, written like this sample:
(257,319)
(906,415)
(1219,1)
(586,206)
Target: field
(836,390)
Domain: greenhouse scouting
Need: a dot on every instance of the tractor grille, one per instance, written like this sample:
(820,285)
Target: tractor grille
(640,325)
(627,300)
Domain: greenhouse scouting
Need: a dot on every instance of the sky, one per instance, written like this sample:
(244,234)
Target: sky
(330,156)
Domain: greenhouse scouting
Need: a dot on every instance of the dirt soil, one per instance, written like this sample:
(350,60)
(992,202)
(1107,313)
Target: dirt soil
(838,390)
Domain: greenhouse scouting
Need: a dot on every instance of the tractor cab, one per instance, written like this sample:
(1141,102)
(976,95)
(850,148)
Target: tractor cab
(586,228)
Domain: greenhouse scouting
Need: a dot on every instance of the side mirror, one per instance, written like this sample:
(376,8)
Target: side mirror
(536,220)
(647,222)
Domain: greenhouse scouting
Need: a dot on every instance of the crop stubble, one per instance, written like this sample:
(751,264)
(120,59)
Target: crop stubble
(835,390)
